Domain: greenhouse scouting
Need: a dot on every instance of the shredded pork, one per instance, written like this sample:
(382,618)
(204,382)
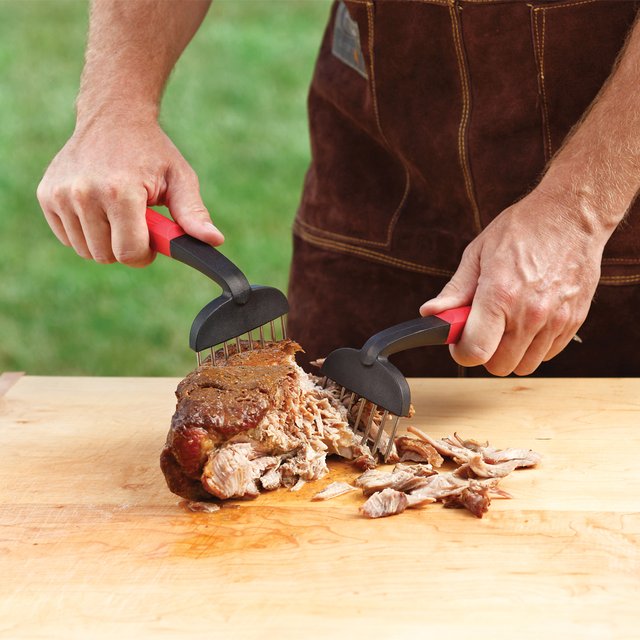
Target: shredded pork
(256,422)
(334,490)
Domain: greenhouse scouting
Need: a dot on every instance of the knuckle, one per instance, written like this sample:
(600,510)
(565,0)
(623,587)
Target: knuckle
(112,190)
(504,295)
(578,319)
(58,193)
(42,192)
(469,251)
(116,188)
(561,318)
(452,286)
(537,311)
(80,191)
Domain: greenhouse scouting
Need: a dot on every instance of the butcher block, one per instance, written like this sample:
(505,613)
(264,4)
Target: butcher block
(93,545)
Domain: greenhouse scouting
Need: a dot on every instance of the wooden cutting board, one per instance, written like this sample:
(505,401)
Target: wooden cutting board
(93,545)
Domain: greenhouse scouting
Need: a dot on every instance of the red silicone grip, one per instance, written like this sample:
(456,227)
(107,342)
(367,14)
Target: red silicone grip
(162,231)
(456,318)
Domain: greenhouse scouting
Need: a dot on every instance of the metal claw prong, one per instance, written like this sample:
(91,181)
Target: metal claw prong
(376,444)
(352,397)
(343,391)
(238,347)
(213,357)
(250,340)
(372,413)
(362,402)
(284,327)
(198,358)
(323,382)
(273,331)
(394,430)
(261,336)
(226,350)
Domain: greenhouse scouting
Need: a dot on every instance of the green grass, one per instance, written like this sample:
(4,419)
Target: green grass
(235,107)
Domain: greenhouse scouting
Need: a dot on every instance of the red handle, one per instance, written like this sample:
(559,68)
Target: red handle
(162,231)
(457,318)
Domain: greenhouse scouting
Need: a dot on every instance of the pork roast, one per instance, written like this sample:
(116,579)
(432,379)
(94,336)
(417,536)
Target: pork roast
(253,422)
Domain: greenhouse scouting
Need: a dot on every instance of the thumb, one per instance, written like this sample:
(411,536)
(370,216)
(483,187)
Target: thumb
(459,291)
(187,209)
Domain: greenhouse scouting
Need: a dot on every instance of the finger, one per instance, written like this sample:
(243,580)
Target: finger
(97,233)
(95,227)
(73,229)
(509,352)
(129,232)
(54,222)
(187,209)
(460,289)
(536,353)
(559,344)
(482,334)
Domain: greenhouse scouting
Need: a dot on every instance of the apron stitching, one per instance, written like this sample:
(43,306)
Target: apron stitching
(569,4)
(621,260)
(544,87)
(407,177)
(620,279)
(441,2)
(342,236)
(560,6)
(539,58)
(374,255)
(464,118)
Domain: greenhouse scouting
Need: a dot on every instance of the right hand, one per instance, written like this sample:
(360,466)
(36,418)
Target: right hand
(96,190)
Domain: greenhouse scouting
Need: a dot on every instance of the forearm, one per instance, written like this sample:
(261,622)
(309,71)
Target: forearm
(598,167)
(132,48)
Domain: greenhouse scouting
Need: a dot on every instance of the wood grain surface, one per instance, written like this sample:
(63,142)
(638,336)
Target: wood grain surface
(93,545)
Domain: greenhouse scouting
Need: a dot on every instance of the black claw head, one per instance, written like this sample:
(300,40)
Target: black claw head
(380,382)
(225,319)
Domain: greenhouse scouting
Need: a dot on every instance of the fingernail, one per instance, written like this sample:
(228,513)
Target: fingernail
(211,228)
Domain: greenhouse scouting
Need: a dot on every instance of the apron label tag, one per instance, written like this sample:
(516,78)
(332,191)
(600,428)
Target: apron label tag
(346,41)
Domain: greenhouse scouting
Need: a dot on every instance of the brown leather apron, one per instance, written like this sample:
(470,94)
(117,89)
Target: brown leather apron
(427,119)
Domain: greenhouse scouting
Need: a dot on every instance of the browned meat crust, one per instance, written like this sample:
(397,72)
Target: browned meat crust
(417,450)
(475,500)
(256,421)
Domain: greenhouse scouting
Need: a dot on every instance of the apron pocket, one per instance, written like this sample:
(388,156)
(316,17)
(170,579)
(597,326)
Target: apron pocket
(355,188)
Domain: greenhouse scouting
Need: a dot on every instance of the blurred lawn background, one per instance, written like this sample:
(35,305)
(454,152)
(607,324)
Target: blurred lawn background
(235,107)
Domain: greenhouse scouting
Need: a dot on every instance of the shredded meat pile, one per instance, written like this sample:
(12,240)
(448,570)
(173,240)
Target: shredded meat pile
(470,486)
(255,421)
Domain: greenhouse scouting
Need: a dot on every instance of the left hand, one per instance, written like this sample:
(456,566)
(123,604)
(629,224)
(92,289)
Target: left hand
(531,275)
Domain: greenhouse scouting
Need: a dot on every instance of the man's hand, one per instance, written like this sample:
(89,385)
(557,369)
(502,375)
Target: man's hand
(531,275)
(119,160)
(95,192)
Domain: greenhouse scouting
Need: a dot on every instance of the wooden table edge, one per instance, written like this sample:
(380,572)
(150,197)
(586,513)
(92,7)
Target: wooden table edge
(8,379)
